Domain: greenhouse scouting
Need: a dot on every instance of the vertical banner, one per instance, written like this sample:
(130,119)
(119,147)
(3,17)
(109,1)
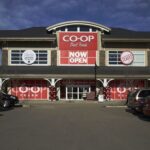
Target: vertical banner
(78,48)
(30,89)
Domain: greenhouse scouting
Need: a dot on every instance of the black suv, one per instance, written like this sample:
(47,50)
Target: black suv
(7,100)
(135,100)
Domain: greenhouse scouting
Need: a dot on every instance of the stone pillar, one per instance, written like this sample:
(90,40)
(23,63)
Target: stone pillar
(4,57)
(148,60)
(102,58)
(54,57)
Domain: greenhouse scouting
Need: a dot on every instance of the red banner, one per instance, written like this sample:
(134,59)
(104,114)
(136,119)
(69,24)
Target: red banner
(78,48)
(78,41)
(77,57)
(118,89)
(30,89)
(77,82)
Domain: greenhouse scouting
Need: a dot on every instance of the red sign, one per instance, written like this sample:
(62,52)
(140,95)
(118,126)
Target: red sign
(118,89)
(78,41)
(78,48)
(77,57)
(30,89)
(127,57)
(77,82)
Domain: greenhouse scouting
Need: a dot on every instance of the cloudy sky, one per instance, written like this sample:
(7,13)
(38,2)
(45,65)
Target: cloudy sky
(130,14)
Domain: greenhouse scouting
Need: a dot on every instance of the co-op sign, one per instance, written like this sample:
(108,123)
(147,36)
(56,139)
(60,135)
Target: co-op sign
(78,47)
(78,41)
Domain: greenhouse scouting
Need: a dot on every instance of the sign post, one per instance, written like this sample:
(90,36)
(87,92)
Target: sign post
(95,76)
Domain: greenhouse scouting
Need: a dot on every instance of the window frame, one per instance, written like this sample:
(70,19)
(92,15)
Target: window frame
(130,65)
(34,49)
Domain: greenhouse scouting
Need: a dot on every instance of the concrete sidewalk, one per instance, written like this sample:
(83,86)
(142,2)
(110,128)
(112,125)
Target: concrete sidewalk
(49,103)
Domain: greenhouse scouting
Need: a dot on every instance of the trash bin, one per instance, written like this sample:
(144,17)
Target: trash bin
(100,97)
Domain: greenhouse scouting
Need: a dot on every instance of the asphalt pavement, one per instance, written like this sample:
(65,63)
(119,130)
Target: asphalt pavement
(73,126)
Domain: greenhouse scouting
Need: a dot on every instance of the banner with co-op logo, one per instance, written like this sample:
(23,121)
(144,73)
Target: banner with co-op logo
(78,48)
(30,89)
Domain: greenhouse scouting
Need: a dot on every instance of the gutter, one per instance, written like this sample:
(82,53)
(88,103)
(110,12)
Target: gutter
(27,39)
(74,76)
(125,40)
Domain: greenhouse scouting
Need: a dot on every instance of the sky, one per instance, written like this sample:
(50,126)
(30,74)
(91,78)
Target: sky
(129,14)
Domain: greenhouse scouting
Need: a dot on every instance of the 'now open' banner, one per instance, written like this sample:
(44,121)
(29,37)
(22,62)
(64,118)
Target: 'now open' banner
(78,48)
(78,57)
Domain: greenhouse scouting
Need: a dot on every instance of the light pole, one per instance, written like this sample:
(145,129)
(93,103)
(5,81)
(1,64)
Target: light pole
(95,77)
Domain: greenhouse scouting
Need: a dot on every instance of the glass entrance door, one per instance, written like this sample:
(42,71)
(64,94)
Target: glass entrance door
(76,92)
(72,92)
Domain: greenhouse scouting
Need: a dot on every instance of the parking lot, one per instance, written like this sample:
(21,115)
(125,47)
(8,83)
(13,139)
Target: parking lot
(73,126)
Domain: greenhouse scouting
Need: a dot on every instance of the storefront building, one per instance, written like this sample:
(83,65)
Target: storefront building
(65,60)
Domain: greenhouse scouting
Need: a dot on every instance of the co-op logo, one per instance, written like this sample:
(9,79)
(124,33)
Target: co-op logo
(75,38)
(24,89)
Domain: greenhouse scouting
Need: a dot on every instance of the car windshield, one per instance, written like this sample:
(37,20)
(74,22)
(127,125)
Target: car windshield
(134,93)
(144,93)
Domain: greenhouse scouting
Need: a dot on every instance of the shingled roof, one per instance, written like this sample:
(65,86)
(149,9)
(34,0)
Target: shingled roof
(29,32)
(41,32)
(119,33)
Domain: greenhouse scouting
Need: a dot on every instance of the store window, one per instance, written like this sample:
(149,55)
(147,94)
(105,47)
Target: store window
(114,58)
(41,57)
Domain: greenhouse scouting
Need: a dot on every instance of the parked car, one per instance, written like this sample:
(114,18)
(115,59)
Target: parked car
(146,107)
(135,100)
(7,100)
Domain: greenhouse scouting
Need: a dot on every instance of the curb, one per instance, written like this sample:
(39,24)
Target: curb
(106,104)
(26,105)
(116,106)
